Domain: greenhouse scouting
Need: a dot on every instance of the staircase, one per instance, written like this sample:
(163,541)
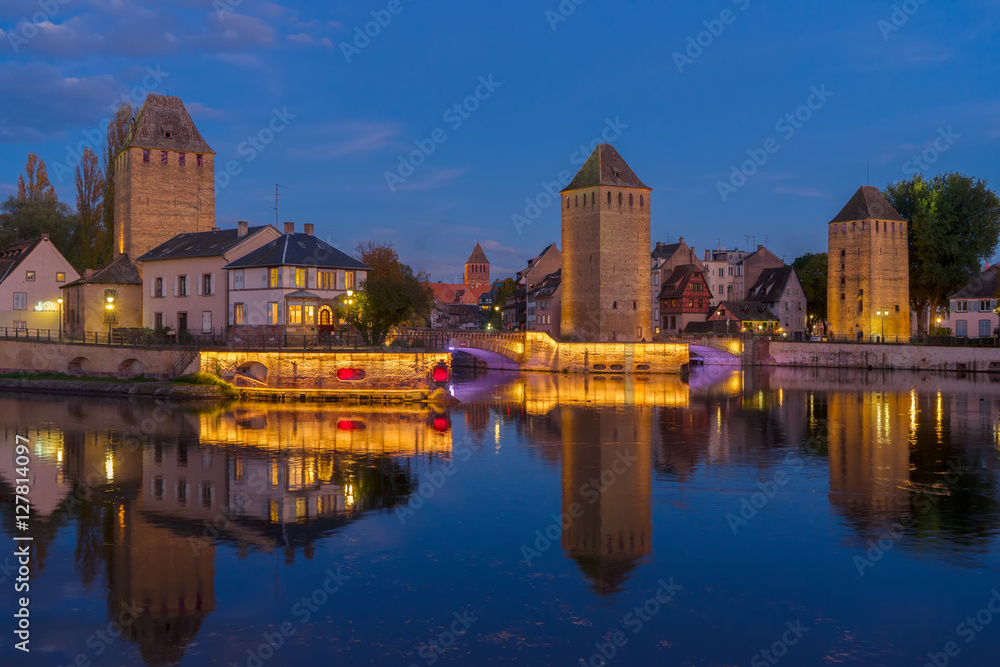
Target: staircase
(182,364)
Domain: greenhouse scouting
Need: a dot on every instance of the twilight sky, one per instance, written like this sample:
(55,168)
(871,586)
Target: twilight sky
(684,90)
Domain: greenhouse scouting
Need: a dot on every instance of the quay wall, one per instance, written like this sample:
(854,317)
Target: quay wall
(542,353)
(889,357)
(84,360)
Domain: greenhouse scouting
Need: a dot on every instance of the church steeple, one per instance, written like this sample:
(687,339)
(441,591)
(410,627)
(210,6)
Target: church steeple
(477,268)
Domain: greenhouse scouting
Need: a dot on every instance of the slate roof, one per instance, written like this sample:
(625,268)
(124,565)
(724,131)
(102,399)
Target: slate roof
(119,272)
(14,254)
(664,250)
(678,280)
(605,167)
(770,285)
(199,244)
(301,294)
(478,256)
(868,203)
(457,293)
(159,115)
(717,328)
(984,286)
(748,310)
(549,285)
(298,250)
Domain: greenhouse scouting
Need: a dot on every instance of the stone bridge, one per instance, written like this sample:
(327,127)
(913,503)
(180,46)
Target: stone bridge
(503,351)
(715,350)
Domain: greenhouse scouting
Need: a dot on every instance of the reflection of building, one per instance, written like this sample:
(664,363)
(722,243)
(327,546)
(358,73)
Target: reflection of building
(607,476)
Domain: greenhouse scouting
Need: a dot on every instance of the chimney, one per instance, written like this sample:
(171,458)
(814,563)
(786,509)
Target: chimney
(87,273)
(760,247)
(45,236)
(308,228)
(708,255)
(289,227)
(681,241)
(242,228)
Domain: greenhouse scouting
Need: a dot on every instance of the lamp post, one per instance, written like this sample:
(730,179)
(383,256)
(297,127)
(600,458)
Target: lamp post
(111,315)
(60,301)
(882,314)
(350,302)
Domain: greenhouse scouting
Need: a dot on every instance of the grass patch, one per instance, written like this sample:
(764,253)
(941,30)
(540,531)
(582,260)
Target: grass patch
(209,380)
(67,378)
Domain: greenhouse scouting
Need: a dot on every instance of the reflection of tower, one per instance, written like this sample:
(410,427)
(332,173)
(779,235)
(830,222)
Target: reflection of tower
(164,581)
(869,456)
(607,477)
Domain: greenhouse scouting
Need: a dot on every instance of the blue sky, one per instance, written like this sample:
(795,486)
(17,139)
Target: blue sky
(893,77)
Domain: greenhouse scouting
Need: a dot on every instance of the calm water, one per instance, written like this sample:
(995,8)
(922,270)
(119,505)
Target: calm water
(824,517)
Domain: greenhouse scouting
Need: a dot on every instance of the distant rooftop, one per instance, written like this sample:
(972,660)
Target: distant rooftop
(298,250)
(163,123)
(199,244)
(868,203)
(605,167)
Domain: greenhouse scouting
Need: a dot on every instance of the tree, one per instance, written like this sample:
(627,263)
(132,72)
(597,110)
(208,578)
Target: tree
(117,136)
(90,208)
(391,295)
(812,269)
(507,289)
(35,210)
(954,228)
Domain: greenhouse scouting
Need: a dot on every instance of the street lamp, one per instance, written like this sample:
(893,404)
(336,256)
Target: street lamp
(882,314)
(59,301)
(111,315)
(350,302)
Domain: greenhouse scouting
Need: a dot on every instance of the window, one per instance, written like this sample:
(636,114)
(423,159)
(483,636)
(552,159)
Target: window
(182,159)
(295,314)
(20,325)
(206,495)
(567,203)
(182,285)
(182,492)
(274,278)
(238,279)
(29,276)
(843,281)
(985,306)
(854,226)
(300,277)
(897,309)
(843,253)
(206,284)
(961,328)
(630,199)
(200,160)
(642,201)
(163,157)
(349,279)
(309,314)
(843,296)
(984,329)
(656,313)
(576,201)
(272,313)
(60,277)
(619,199)
(158,320)
(961,306)
(609,199)
(720,290)
(239,313)
(876,226)
(158,288)
(614,306)
(328,280)
(20,300)
(145,155)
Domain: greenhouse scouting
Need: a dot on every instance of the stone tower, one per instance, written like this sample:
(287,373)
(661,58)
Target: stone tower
(477,268)
(869,268)
(606,241)
(164,179)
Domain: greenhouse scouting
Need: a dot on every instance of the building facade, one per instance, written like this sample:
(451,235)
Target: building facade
(164,179)
(85,301)
(528,280)
(477,268)
(185,285)
(664,258)
(547,305)
(973,308)
(684,299)
(781,291)
(292,285)
(606,244)
(32,274)
(868,293)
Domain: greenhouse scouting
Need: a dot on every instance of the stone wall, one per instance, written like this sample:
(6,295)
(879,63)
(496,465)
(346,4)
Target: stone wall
(894,357)
(87,360)
(542,353)
(318,370)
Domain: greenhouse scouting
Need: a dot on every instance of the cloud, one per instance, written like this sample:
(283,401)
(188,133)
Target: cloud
(199,110)
(431,179)
(801,192)
(349,138)
(495,247)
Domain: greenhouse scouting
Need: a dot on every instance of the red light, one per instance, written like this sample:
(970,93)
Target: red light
(350,374)
(441,424)
(441,373)
(350,425)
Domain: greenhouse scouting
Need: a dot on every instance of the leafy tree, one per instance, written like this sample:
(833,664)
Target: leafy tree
(36,209)
(90,208)
(507,289)
(391,295)
(812,269)
(118,133)
(954,228)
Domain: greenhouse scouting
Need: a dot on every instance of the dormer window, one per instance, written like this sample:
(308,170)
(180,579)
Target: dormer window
(167,134)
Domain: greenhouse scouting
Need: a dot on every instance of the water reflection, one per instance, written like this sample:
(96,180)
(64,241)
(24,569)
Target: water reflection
(157,497)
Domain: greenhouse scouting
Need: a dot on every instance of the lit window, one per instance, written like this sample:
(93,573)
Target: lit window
(274,278)
(239,313)
(328,280)
(60,277)
(310,314)
(272,313)
(295,315)
(29,276)
(349,279)
(300,277)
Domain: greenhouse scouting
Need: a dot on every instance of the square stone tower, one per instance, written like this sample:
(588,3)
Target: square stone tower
(164,179)
(869,268)
(606,242)
(477,269)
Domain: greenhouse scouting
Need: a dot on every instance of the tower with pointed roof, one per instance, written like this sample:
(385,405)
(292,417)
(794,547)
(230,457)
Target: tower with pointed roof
(606,241)
(868,288)
(164,179)
(477,268)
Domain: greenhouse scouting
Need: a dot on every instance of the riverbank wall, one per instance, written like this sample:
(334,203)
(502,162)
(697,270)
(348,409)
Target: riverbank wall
(889,357)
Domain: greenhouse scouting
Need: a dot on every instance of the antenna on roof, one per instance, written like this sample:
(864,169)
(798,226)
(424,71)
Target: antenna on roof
(276,186)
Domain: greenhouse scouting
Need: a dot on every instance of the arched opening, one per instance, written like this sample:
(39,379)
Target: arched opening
(325,316)
(642,201)
(79,366)
(609,199)
(619,199)
(253,369)
(131,368)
